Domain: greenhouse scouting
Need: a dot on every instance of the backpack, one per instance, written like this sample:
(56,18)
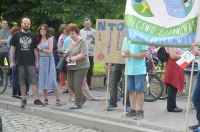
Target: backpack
(162,55)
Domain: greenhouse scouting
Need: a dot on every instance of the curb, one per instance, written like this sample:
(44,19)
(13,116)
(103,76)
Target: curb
(67,117)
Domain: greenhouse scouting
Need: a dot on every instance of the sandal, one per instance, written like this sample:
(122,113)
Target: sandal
(57,102)
(46,101)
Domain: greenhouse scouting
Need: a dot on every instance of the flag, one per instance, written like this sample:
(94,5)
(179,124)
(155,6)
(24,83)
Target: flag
(167,23)
(186,59)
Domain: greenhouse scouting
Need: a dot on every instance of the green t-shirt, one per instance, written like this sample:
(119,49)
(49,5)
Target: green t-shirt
(136,66)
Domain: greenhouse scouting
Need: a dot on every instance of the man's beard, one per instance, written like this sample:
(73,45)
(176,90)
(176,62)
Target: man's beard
(26,29)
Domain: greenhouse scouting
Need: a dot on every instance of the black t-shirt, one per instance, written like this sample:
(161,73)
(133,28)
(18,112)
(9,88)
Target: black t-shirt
(25,44)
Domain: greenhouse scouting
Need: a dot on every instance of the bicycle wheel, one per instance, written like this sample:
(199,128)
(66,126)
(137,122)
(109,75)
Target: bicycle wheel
(3,80)
(155,90)
(165,93)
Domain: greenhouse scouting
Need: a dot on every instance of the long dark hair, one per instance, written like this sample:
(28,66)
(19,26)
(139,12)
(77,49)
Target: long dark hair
(46,27)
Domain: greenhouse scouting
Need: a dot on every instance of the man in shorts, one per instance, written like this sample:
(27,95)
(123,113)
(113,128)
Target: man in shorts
(24,46)
(135,81)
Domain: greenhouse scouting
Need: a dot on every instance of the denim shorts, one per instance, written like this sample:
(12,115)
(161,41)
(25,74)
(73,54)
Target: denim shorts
(135,83)
(27,73)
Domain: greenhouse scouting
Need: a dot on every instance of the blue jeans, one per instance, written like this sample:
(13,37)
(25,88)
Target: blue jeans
(15,84)
(135,83)
(196,96)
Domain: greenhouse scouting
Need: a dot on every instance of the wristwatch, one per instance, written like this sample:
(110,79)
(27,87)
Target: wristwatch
(41,49)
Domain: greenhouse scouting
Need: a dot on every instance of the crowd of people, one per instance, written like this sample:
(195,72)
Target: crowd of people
(33,60)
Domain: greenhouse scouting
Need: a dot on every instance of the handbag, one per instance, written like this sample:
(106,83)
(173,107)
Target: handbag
(61,67)
(62,64)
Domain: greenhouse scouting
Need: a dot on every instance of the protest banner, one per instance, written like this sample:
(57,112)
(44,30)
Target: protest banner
(171,24)
(109,40)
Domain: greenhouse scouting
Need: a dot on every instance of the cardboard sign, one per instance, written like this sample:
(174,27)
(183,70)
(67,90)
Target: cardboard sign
(109,41)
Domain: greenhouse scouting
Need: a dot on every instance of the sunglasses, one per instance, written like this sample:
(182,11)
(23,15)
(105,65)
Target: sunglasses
(26,23)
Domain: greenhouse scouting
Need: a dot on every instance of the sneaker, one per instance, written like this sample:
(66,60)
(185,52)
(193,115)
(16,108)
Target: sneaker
(139,115)
(128,107)
(194,127)
(24,103)
(131,113)
(38,102)
(110,108)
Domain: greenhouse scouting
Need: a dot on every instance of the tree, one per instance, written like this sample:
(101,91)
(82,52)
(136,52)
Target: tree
(54,12)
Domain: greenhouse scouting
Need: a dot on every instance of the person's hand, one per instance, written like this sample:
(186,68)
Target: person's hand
(38,47)
(93,36)
(12,65)
(194,47)
(127,53)
(59,50)
(68,59)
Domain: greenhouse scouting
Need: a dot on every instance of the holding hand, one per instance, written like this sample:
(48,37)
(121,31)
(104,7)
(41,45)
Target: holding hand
(194,47)
(38,47)
(127,53)
(12,65)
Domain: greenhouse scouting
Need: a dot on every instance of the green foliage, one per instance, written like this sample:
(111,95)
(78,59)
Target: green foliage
(56,12)
(99,67)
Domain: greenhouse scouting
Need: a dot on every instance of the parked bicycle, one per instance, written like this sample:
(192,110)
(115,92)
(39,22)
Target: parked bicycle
(153,84)
(3,78)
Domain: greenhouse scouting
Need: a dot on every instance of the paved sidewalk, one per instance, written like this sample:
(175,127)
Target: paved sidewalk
(19,122)
(93,116)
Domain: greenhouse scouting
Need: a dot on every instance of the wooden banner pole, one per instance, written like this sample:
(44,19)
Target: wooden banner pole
(125,89)
(189,96)
(108,84)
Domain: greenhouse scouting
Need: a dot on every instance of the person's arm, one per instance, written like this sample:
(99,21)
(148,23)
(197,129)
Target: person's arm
(12,52)
(172,54)
(127,53)
(47,51)
(83,53)
(59,45)
(8,43)
(3,41)
(78,57)
(36,58)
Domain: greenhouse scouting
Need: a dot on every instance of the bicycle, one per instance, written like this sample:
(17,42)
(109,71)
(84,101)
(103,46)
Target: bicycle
(165,92)
(3,78)
(153,87)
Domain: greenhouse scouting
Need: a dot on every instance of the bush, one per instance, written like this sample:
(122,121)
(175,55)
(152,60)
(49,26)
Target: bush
(99,67)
